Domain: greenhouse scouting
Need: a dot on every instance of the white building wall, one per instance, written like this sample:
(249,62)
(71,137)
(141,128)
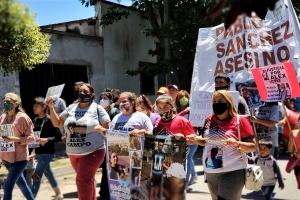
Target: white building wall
(124,47)
(73,49)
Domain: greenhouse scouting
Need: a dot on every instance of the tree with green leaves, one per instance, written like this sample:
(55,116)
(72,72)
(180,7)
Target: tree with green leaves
(186,17)
(22,45)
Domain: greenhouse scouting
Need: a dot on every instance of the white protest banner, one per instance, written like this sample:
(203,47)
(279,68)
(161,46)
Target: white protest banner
(35,144)
(55,91)
(6,130)
(277,82)
(7,146)
(248,43)
(201,106)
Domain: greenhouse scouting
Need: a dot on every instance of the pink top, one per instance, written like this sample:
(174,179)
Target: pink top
(23,128)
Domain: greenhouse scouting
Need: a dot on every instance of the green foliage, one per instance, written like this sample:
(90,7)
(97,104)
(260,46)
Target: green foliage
(22,45)
(186,17)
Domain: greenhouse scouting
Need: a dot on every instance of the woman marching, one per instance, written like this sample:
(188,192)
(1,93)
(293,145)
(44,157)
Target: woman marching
(16,161)
(45,152)
(172,125)
(86,146)
(183,109)
(224,166)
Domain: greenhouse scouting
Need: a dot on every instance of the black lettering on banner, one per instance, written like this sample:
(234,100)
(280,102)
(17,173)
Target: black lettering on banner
(77,144)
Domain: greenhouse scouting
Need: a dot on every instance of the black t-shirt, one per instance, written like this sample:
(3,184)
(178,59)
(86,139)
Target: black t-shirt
(47,131)
(158,160)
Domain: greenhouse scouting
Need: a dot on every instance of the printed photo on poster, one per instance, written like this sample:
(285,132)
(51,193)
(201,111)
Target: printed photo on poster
(135,142)
(214,157)
(119,165)
(136,159)
(6,130)
(248,90)
(284,91)
(163,171)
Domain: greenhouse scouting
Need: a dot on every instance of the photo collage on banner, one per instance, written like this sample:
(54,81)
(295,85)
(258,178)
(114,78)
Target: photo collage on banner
(124,164)
(163,171)
(6,130)
(248,90)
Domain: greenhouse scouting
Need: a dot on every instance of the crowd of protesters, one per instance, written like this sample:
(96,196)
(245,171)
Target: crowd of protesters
(85,119)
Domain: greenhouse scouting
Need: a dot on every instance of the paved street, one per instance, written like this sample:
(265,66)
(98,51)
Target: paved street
(66,179)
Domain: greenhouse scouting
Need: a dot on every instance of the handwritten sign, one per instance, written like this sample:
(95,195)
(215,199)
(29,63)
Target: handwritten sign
(276,82)
(55,91)
(201,106)
(248,90)
(6,130)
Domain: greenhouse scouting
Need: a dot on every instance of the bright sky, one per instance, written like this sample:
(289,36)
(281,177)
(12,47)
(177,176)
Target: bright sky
(57,11)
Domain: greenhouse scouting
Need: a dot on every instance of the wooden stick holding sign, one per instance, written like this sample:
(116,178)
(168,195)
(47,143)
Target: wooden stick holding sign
(254,130)
(288,123)
(209,139)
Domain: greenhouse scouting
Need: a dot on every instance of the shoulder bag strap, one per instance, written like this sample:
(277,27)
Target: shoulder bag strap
(240,139)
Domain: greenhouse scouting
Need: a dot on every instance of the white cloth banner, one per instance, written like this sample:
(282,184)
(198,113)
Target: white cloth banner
(248,43)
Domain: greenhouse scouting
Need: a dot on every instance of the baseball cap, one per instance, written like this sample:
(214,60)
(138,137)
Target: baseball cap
(173,86)
(163,90)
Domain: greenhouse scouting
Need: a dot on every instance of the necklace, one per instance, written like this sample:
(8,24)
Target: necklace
(10,118)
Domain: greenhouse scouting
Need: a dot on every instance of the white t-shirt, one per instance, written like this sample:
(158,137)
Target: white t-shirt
(79,124)
(264,132)
(136,120)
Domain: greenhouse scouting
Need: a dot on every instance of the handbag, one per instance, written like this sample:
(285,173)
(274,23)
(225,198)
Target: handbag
(253,173)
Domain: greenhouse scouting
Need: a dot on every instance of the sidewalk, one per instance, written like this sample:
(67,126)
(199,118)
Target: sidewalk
(66,179)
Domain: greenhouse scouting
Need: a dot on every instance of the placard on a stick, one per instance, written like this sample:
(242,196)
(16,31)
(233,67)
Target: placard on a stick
(276,82)
(55,91)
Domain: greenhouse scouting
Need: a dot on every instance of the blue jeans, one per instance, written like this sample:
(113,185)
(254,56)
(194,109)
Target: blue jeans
(190,168)
(15,176)
(43,167)
(268,190)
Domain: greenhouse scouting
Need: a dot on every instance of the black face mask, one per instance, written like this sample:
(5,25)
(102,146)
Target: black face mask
(115,99)
(219,108)
(76,93)
(84,98)
(222,88)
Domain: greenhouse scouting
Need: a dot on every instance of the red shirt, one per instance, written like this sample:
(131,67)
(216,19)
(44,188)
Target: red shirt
(177,125)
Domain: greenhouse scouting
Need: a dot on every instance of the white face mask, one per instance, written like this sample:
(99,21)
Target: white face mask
(104,103)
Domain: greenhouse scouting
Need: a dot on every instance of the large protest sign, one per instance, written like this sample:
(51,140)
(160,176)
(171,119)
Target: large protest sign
(277,82)
(248,43)
(124,163)
(55,91)
(201,106)
(248,90)
(163,171)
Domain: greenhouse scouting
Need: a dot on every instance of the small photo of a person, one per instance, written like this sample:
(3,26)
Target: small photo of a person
(136,176)
(244,92)
(135,142)
(114,168)
(157,166)
(76,130)
(213,162)
(284,92)
(136,160)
